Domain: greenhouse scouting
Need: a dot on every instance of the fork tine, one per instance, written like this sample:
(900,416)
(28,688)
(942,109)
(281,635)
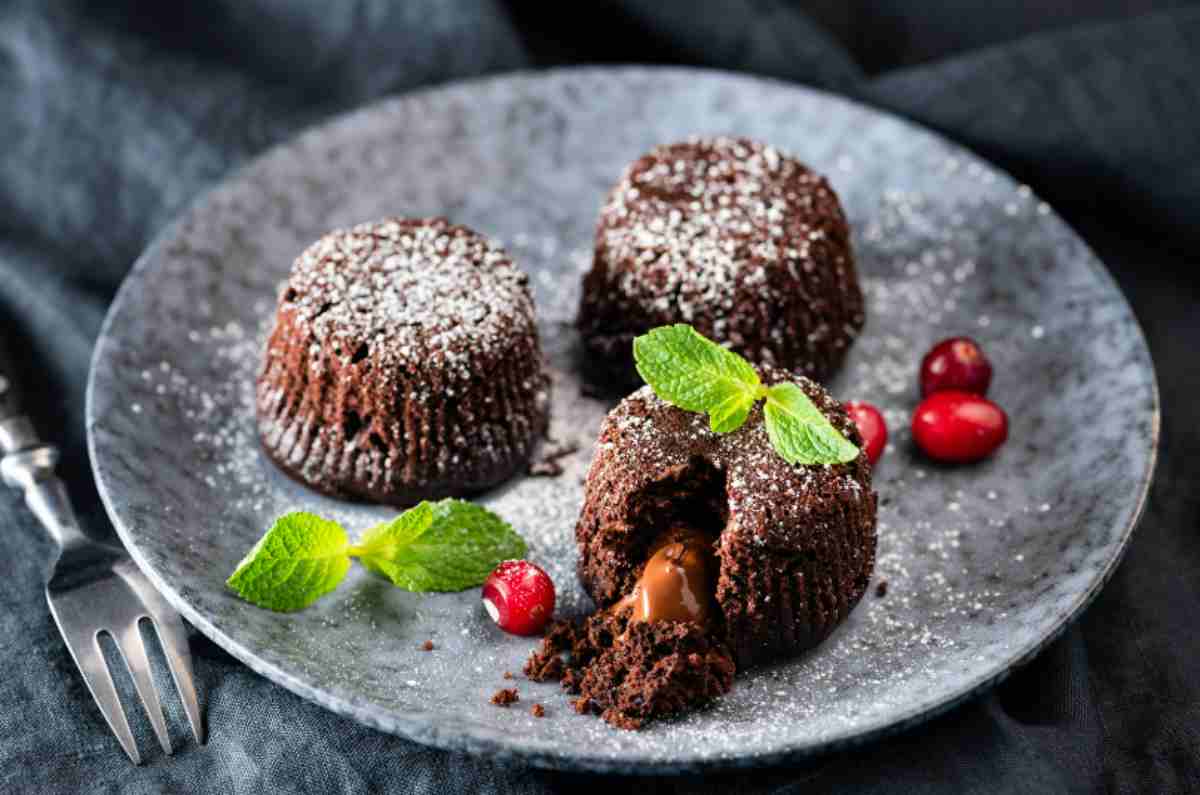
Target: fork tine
(90,661)
(133,651)
(173,639)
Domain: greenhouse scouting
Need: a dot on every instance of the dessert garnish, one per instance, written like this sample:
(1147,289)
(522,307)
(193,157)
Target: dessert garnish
(519,597)
(872,427)
(955,363)
(955,423)
(691,372)
(449,545)
(958,427)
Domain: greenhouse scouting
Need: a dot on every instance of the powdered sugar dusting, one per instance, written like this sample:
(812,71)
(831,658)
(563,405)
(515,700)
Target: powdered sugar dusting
(925,558)
(735,237)
(972,589)
(758,480)
(690,219)
(418,288)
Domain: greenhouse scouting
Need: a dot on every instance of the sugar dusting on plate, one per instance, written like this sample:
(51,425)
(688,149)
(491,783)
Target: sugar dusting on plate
(919,276)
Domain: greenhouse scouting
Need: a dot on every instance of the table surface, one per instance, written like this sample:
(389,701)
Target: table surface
(115,122)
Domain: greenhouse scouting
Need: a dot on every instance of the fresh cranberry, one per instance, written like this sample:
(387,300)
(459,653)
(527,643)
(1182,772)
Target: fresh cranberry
(519,597)
(956,363)
(872,427)
(958,427)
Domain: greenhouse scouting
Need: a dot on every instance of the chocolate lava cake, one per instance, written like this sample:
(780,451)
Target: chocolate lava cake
(733,237)
(404,365)
(706,553)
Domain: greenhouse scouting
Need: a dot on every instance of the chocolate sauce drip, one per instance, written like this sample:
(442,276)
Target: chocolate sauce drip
(676,583)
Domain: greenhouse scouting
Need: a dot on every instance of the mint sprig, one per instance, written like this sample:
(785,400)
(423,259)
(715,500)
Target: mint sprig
(448,545)
(690,371)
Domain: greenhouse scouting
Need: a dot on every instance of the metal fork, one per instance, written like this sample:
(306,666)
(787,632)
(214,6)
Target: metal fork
(95,588)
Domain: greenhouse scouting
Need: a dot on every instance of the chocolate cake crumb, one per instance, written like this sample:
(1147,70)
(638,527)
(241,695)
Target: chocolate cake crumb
(545,664)
(631,672)
(508,675)
(505,696)
(538,711)
(544,469)
(547,464)
(881,589)
(570,678)
(427,646)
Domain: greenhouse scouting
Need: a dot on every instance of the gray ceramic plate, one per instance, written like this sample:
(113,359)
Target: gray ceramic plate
(984,564)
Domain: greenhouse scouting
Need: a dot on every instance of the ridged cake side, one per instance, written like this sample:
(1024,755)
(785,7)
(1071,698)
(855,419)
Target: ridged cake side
(404,365)
(797,543)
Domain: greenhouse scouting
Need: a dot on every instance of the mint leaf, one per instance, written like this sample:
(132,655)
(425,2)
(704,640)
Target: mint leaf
(461,545)
(800,432)
(301,558)
(689,371)
(383,541)
(441,546)
(694,373)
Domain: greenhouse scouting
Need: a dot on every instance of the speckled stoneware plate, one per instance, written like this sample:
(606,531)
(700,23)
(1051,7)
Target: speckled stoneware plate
(984,564)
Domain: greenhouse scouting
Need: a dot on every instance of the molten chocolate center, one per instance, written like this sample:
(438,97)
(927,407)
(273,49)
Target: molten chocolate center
(676,583)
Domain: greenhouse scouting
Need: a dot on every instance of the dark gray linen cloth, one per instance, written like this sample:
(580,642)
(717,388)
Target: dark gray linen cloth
(113,116)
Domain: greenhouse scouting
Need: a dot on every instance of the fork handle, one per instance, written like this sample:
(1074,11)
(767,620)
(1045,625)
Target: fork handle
(29,464)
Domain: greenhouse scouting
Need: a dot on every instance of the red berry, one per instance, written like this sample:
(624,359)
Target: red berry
(956,363)
(958,427)
(872,427)
(519,597)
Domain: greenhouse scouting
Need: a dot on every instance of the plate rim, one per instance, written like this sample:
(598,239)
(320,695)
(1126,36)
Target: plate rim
(466,740)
